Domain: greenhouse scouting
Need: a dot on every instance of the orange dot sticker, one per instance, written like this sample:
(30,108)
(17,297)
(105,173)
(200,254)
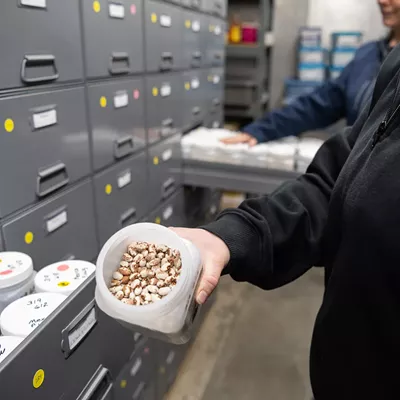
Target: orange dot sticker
(96,6)
(123,383)
(9,125)
(157,220)
(153,18)
(38,379)
(28,237)
(156,160)
(63,284)
(108,189)
(103,102)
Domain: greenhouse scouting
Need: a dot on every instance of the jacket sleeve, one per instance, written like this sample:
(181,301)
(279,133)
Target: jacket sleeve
(319,109)
(275,239)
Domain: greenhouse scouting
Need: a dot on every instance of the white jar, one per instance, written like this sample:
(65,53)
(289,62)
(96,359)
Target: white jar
(63,277)
(16,277)
(7,345)
(26,314)
(169,319)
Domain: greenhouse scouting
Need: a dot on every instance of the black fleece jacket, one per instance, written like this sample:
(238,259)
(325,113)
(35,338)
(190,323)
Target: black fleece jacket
(344,213)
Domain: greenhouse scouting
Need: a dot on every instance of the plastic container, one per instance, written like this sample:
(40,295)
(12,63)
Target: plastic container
(342,56)
(16,277)
(7,345)
(311,72)
(335,72)
(314,55)
(26,314)
(249,33)
(169,319)
(347,39)
(63,277)
(310,36)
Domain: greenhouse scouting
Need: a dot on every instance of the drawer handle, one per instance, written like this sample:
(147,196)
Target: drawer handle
(116,60)
(216,102)
(128,216)
(167,61)
(68,257)
(196,59)
(168,187)
(123,146)
(196,110)
(47,175)
(32,61)
(99,386)
(169,122)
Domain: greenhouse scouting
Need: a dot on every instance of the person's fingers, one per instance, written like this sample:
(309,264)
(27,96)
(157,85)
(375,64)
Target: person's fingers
(252,142)
(239,138)
(208,281)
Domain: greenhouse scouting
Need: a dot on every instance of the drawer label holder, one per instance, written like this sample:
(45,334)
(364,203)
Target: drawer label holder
(78,329)
(56,221)
(116,10)
(34,3)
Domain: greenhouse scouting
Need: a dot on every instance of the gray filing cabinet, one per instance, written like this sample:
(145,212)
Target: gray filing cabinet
(102,347)
(165,169)
(113,34)
(44,145)
(194,31)
(116,110)
(41,43)
(215,97)
(216,7)
(194,98)
(58,229)
(215,42)
(164,105)
(163,30)
(171,212)
(120,193)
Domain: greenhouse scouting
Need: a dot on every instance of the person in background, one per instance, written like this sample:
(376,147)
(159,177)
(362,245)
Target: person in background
(343,97)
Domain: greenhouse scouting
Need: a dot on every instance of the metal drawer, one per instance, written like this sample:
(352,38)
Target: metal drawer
(163,30)
(116,111)
(215,120)
(163,105)
(118,27)
(44,145)
(194,30)
(101,352)
(216,7)
(215,44)
(241,93)
(215,94)
(120,193)
(58,229)
(165,169)
(194,98)
(43,43)
(195,4)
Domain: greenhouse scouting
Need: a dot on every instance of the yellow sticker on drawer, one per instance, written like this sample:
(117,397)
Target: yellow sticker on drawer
(38,379)
(57,222)
(34,3)
(153,18)
(124,179)
(165,21)
(103,101)
(121,99)
(188,23)
(165,90)
(116,10)
(44,118)
(166,155)
(9,125)
(28,237)
(96,6)
(168,212)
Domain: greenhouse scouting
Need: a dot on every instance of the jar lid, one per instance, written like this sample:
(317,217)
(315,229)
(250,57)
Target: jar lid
(7,345)
(22,316)
(14,268)
(63,277)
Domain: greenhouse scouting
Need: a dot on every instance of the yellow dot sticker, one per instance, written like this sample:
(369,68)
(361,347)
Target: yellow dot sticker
(103,101)
(155,91)
(153,18)
(28,237)
(96,6)
(108,189)
(157,220)
(188,24)
(187,85)
(63,284)
(38,379)
(9,125)
(156,160)
(162,370)
(123,383)
(211,28)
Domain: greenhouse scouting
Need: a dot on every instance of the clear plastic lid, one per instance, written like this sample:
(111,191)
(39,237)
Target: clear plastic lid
(8,344)
(22,316)
(63,277)
(15,268)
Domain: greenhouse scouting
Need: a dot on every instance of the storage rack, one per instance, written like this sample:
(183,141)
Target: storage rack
(94,97)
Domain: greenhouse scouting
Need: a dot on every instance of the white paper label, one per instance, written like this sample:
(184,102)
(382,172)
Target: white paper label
(136,366)
(116,11)
(57,221)
(217,30)
(124,179)
(167,155)
(213,209)
(34,3)
(216,124)
(195,26)
(82,329)
(168,213)
(170,357)
(165,20)
(195,83)
(216,79)
(121,100)
(165,90)
(46,118)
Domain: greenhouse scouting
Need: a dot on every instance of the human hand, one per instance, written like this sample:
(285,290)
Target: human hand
(240,138)
(214,254)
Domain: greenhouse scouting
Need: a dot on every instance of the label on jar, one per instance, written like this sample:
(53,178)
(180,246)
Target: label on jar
(124,179)
(57,222)
(34,3)
(121,100)
(45,118)
(165,21)
(116,10)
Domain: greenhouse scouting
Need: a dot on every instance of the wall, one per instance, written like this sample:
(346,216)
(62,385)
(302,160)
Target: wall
(334,15)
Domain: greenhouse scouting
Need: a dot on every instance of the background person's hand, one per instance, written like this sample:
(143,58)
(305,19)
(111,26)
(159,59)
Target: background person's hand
(214,254)
(240,138)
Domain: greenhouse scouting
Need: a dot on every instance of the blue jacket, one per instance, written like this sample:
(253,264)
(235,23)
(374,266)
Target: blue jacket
(336,99)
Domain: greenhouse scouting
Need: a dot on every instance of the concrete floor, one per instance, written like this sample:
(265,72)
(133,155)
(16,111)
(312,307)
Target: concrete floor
(253,344)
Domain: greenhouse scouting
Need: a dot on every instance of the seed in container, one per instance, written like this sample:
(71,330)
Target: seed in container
(146,273)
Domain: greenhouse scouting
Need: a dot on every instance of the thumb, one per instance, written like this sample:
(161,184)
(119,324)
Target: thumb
(252,142)
(208,281)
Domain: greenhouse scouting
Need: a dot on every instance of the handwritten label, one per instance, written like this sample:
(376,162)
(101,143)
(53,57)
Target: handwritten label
(46,118)
(136,366)
(116,11)
(37,303)
(166,155)
(165,90)
(35,322)
(121,100)
(82,329)
(2,350)
(195,83)
(124,179)
(168,212)
(195,26)
(57,222)
(34,3)
(165,21)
